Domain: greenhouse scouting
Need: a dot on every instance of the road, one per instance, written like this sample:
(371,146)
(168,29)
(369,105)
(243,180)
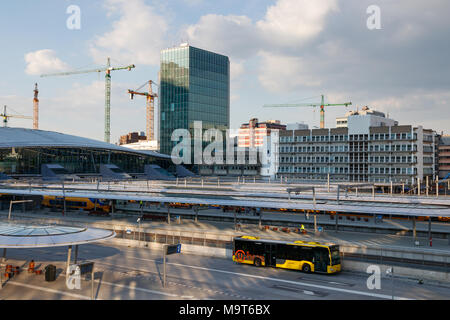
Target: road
(126,273)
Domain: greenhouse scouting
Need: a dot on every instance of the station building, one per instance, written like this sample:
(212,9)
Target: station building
(24,151)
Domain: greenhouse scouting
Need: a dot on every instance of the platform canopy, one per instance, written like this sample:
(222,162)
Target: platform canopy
(14,235)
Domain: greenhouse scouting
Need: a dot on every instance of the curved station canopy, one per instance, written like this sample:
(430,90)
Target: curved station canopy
(38,236)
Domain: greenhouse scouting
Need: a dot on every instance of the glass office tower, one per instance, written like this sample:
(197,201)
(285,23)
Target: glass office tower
(194,86)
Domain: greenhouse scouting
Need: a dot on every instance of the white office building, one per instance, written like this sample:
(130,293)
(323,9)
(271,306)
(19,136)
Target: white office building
(368,147)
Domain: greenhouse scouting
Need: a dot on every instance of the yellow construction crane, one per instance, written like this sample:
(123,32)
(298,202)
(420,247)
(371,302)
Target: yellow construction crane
(150,110)
(6,116)
(321,104)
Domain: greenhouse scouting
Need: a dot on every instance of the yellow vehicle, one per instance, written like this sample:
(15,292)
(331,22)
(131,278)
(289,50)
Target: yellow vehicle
(296,255)
(76,203)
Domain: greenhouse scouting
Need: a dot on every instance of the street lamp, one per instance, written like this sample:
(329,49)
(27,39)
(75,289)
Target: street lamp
(139,223)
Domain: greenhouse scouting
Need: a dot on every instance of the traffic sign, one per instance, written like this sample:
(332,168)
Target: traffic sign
(86,267)
(174,248)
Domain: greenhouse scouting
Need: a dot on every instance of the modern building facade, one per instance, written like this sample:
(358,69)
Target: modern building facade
(194,86)
(367,150)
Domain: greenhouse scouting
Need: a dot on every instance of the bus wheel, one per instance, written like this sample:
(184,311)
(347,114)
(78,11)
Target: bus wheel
(306,268)
(257,262)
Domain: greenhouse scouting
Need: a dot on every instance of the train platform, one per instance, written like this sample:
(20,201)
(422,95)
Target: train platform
(187,226)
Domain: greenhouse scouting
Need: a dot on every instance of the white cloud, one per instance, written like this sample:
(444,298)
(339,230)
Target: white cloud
(136,37)
(232,35)
(280,73)
(286,25)
(43,61)
(293,21)
(236,69)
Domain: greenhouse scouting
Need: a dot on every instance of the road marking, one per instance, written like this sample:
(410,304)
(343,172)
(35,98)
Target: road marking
(362,293)
(73,295)
(139,289)
(308,279)
(308,292)
(179,284)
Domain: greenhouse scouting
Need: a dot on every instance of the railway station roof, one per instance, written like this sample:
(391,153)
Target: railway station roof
(381,209)
(14,235)
(23,138)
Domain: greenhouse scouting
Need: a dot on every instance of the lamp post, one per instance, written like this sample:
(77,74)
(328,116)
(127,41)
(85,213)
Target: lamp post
(139,224)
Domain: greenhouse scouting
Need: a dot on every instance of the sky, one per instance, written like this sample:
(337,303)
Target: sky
(394,58)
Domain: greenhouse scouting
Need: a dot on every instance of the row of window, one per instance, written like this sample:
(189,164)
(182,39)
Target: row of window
(208,83)
(173,74)
(204,65)
(382,136)
(331,138)
(307,149)
(313,159)
(212,101)
(210,75)
(334,170)
(342,159)
(393,170)
(345,148)
(219,93)
(174,54)
(346,170)
(207,56)
(313,138)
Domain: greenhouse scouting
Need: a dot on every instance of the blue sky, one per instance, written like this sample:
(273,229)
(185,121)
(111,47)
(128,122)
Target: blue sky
(280,51)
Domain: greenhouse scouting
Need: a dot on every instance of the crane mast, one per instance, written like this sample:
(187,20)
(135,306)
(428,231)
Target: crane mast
(6,116)
(107,70)
(108,102)
(150,108)
(36,108)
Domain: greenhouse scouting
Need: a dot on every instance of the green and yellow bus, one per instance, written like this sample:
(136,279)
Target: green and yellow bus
(296,255)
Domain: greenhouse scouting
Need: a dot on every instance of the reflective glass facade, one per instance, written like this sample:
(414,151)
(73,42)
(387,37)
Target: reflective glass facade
(194,86)
(75,160)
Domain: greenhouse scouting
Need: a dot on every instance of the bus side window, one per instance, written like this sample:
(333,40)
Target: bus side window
(240,245)
(306,254)
(282,251)
(258,248)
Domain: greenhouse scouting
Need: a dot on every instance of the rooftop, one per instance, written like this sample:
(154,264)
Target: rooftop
(22,137)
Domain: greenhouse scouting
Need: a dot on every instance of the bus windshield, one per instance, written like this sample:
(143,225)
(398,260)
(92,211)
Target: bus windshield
(335,256)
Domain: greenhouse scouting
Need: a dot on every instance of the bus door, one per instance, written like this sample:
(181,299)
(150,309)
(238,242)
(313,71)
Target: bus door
(270,254)
(321,257)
